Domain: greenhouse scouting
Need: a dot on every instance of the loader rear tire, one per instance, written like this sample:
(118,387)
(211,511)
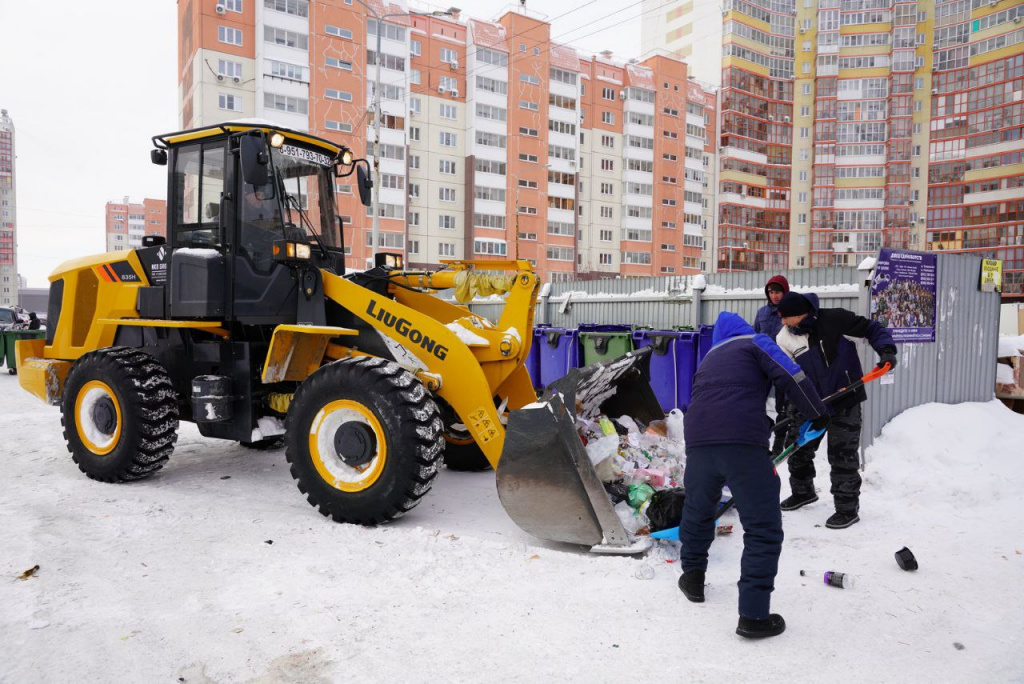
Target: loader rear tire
(364,440)
(120,414)
(462,453)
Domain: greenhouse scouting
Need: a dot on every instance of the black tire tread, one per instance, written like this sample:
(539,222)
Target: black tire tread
(420,425)
(151,401)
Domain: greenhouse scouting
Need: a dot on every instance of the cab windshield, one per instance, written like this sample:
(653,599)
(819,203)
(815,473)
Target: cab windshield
(298,198)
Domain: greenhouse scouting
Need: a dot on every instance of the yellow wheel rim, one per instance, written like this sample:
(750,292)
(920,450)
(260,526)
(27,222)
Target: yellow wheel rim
(96,439)
(328,462)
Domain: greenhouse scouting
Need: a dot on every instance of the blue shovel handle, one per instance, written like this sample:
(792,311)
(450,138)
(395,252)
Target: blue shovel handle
(807,434)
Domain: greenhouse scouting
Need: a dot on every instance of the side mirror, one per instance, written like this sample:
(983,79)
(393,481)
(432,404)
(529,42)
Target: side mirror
(255,160)
(365,184)
(158,157)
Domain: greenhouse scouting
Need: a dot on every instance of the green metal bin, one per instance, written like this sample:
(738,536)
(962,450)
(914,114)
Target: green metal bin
(8,345)
(604,342)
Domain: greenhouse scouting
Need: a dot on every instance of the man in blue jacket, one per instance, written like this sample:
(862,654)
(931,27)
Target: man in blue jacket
(726,432)
(816,339)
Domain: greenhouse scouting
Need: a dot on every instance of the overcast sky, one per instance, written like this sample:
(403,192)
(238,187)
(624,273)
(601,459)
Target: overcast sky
(88,84)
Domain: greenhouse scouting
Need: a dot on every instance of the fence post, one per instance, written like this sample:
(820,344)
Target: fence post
(697,292)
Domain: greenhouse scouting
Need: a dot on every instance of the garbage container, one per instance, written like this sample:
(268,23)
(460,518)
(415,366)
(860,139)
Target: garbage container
(673,363)
(706,334)
(604,342)
(10,338)
(533,358)
(558,349)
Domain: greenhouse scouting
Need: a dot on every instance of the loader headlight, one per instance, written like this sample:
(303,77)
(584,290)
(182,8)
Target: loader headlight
(390,261)
(276,140)
(287,250)
(347,157)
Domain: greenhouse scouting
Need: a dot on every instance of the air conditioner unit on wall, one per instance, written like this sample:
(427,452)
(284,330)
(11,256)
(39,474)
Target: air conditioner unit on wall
(622,94)
(453,65)
(442,89)
(455,93)
(237,79)
(221,9)
(220,77)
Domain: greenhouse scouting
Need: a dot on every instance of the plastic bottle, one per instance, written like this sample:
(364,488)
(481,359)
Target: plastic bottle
(839,580)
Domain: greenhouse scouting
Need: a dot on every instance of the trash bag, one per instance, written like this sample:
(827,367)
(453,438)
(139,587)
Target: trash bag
(666,509)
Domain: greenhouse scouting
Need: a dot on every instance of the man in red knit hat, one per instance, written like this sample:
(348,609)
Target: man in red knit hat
(767,322)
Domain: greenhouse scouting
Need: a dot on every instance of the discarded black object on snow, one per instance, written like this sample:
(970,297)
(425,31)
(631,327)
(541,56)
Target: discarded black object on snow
(839,580)
(617,491)
(666,509)
(905,559)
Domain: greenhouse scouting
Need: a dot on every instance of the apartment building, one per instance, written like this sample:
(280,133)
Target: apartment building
(128,222)
(9,279)
(690,30)
(850,125)
(495,142)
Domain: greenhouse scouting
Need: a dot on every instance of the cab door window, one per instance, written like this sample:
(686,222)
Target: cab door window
(198,184)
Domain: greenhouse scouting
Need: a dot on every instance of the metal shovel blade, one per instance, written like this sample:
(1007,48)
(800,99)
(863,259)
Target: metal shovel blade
(545,479)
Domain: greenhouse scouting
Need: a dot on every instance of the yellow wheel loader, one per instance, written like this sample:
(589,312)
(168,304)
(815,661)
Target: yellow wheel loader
(245,322)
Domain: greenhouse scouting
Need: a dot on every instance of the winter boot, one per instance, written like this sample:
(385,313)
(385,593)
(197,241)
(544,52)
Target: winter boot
(840,521)
(759,629)
(692,585)
(798,500)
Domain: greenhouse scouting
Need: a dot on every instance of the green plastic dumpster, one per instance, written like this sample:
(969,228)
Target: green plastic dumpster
(8,345)
(604,342)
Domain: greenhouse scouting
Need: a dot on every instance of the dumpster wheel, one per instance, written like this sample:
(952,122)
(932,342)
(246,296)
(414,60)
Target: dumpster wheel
(364,440)
(120,415)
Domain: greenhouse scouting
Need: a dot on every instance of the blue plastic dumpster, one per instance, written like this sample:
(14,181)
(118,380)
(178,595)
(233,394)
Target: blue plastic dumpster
(533,358)
(673,363)
(706,333)
(559,351)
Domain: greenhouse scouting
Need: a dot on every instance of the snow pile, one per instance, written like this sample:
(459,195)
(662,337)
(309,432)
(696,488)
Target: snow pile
(1010,345)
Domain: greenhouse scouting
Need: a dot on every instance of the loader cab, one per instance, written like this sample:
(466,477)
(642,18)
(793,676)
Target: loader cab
(252,220)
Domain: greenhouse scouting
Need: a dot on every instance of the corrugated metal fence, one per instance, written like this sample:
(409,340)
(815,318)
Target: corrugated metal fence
(959,366)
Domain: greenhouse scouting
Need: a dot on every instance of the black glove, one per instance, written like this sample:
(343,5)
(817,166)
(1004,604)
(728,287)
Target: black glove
(887,356)
(821,422)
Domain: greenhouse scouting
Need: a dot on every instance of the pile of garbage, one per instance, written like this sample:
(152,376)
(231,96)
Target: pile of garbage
(641,467)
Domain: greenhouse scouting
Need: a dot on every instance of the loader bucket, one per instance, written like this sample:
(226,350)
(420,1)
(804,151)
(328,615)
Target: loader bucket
(545,479)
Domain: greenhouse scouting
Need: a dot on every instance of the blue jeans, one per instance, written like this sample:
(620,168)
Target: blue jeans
(755,484)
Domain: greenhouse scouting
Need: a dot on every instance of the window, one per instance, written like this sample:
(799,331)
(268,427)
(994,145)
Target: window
(392,92)
(336,32)
(415,48)
(386,61)
(608,93)
(607,189)
(390,180)
(446,166)
(390,31)
(491,139)
(561,101)
(801,218)
(531,158)
(299,8)
(229,69)
(449,111)
(806,89)
(641,258)
(607,213)
(414,246)
(604,259)
(802,198)
(608,141)
(449,56)
(563,76)
(414,161)
(490,247)
(528,211)
(561,228)
(231,36)
(527,78)
(524,183)
(414,218)
(415,105)
(560,253)
(198,181)
(290,39)
(414,133)
(232,103)
(446,222)
(284,103)
(805,132)
(607,164)
(447,139)
(561,127)
(338,63)
(491,85)
(414,190)
(803,175)
(446,249)
(387,239)
(232,5)
(488,166)
(558,152)
(530,132)
(446,194)
(608,118)
(331,94)
(494,57)
(489,112)
(528,105)
(489,220)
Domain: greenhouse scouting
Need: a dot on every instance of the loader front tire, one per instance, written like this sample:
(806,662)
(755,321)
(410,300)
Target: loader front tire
(120,414)
(364,440)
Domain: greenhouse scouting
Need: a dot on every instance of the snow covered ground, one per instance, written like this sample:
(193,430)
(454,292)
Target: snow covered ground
(175,578)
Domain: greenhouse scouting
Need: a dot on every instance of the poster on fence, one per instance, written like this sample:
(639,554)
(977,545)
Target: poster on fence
(903,295)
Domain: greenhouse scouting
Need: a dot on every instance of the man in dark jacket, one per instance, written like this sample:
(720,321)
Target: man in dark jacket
(769,323)
(726,432)
(816,339)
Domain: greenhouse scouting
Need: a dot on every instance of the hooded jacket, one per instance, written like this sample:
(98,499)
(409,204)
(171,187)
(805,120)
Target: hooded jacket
(823,352)
(767,320)
(732,383)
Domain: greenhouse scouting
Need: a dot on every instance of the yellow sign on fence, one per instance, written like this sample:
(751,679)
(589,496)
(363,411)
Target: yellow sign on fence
(991,275)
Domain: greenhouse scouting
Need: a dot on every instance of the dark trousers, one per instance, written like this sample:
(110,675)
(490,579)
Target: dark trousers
(755,485)
(843,456)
